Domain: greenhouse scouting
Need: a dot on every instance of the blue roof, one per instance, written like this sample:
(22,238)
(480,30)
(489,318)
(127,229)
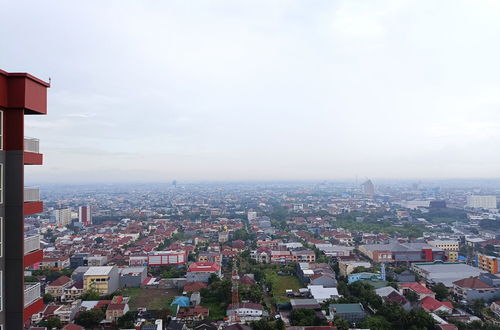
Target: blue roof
(462,258)
(182,301)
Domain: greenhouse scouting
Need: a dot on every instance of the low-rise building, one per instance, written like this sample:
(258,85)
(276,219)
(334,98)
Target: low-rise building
(488,263)
(472,288)
(353,313)
(445,272)
(132,276)
(246,311)
(104,279)
(421,290)
(57,287)
(201,271)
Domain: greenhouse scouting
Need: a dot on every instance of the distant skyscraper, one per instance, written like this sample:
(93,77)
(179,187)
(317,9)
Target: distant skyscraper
(482,202)
(174,183)
(63,217)
(368,188)
(85,215)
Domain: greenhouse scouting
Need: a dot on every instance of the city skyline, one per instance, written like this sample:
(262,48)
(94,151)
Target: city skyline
(261,90)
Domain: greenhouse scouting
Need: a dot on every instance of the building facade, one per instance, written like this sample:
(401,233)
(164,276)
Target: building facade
(488,263)
(482,202)
(85,215)
(20,94)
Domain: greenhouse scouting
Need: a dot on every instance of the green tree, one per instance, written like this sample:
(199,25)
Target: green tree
(341,323)
(51,322)
(99,240)
(477,306)
(376,322)
(441,291)
(91,294)
(304,317)
(48,298)
(91,318)
(126,321)
(412,296)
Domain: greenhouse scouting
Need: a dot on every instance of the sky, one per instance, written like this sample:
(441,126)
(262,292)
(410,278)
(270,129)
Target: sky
(260,90)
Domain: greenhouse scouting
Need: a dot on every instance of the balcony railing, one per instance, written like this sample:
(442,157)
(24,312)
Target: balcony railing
(32,292)
(31,243)
(31,145)
(31,194)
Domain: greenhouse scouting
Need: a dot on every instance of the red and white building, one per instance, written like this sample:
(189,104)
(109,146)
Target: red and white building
(201,271)
(165,258)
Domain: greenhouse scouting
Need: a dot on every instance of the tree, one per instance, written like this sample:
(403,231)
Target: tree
(376,322)
(412,296)
(304,317)
(126,321)
(48,298)
(99,240)
(341,324)
(477,306)
(441,291)
(91,318)
(51,322)
(91,294)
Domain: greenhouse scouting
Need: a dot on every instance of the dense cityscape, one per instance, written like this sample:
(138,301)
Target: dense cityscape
(250,165)
(306,255)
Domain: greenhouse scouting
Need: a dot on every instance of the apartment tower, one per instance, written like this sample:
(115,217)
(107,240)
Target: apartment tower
(20,94)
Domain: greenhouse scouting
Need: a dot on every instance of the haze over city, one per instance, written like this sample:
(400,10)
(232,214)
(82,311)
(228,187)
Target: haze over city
(261,90)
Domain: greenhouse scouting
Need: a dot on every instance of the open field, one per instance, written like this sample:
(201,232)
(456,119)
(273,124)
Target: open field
(149,298)
(281,283)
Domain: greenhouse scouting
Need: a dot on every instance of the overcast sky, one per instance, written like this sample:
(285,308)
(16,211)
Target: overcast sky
(237,90)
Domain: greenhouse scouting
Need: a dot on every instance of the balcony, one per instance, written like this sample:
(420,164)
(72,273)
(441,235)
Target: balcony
(32,252)
(31,244)
(32,203)
(32,155)
(33,302)
(32,292)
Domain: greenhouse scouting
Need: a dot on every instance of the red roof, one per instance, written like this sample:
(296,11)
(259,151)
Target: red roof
(430,304)
(203,267)
(194,286)
(472,283)
(72,326)
(246,305)
(116,307)
(60,281)
(447,326)
(417,287)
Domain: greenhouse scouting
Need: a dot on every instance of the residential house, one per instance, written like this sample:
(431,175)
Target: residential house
(433,305)
(57,287)
(350,312)
(246,312)
(472,288)
(201,271)
(421,290)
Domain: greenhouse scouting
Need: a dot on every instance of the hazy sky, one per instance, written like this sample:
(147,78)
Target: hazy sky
(231,90)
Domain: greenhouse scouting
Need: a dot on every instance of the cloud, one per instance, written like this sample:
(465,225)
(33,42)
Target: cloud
(260,89)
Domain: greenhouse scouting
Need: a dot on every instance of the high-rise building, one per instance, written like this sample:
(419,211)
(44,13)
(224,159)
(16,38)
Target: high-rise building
(482,202)
(368,188)
(85,215)
(20,94)
(251,215)
(63,217)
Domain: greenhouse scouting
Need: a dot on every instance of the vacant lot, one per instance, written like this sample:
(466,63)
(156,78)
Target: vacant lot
(149,298)
(279,285)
